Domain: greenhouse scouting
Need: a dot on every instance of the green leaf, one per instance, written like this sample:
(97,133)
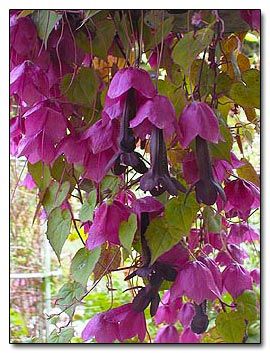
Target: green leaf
(40,172)
(83,263)
(163,30)
(69,296)
(165,232)
(212,221)
(231,326)
(55,195)
(181,211)
(190,46)
(222,150)
(45,21)
(247,305)
(175,94)
(88,207)
(247,93)
(58,228)
(62,171)
(103,38)
(127,231)
(64,336)
(82,88)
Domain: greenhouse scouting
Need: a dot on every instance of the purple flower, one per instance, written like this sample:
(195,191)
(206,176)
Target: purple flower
(158,112)
(168,309)
(195,281)
(242,197)
(147,204)
(220,167)
(255,274)
(128,78)
(177,256)
(106,223)
(206,188)
(252,17)
(73,148)
(23,39)
(157,179)
(200,320)
(211,264)
(240,233)
(187,336)
(45,126)
(198,119)
(167,334)
(127,142)
(120,323)
(186,314)
(29,83)
(236,279)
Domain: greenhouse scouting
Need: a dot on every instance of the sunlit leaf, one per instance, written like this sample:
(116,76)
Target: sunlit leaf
(83,264)
(59,223)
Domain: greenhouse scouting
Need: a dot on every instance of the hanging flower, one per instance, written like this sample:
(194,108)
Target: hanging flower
(158,112)
(207,189)
(198,119)
(120,323)
(236,274)
(45,125)
(242,197)
(167,334)
(157,179)
(168,309)
(195,281)
(186,314)
(187,336)
(106,223)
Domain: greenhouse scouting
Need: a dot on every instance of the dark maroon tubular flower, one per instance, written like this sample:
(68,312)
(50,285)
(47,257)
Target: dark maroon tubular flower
(207,189)
(157,179)
(200,320)
(127,142)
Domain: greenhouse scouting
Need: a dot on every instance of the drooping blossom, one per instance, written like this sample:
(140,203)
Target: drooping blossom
(256,276)
(232,253)
(131,77)
(45,126)
(158,112)
(213,267)
(242,232)
(120,323)
(155,274)
(23,39)
(207,188)
(220,167)
(236,279)
(29,83)
(157,179)
(147,204)
(177,256)
(186,314)
(168,310)
(200,321)
(252,17)
(198,119)
(106,223)
(187,336)
(167,334)
(195,281)
(242,197)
